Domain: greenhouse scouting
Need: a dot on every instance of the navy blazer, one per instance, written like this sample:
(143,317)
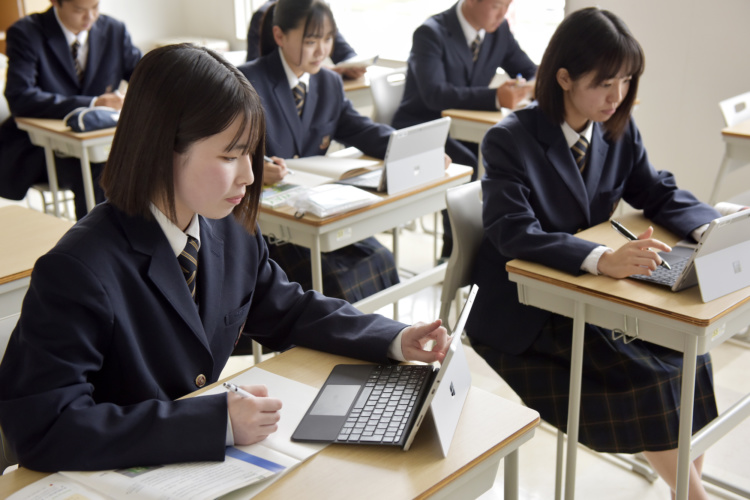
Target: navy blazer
(327,114)
(42,83)
(341,49)
(109,336)
(442,74)
(535,200)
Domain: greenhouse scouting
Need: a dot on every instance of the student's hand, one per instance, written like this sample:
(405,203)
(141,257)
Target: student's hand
(274,172)
(512,92)
(447,160)
(634,257)
(253,419)
(110,99)
(351,73)
(418,335)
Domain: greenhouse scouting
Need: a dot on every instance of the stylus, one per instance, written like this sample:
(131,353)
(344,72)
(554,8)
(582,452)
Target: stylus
(625,232)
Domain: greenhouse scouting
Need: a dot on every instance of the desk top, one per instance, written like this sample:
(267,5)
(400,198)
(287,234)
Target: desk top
(741,130)
(488,424)
(363,82)
(485,117)
(453,172)
(685,306)
(58,127)
(27,235)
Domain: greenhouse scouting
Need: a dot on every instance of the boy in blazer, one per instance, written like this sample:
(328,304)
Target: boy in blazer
(445,72)
(44,81)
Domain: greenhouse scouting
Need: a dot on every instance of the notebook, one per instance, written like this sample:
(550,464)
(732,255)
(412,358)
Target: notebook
(719,262)
(415,156)
(386,404)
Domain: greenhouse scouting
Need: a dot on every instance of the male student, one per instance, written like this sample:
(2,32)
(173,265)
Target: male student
(59,60)
(454,56)
(341,49)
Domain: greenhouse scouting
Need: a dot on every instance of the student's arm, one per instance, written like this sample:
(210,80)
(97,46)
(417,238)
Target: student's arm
(25,97)
(341,49)
(516,61)
(427,63)
(253,36)
(50,409)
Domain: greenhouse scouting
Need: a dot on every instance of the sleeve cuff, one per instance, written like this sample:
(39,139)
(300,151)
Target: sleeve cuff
(591,262)
(394,350)
(230,433)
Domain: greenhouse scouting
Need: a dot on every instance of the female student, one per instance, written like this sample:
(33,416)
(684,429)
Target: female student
(113,331)
(305,110)
(537,195)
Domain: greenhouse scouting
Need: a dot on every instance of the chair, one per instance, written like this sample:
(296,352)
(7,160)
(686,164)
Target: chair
(465,212)
(387,91)
(7,457)
(734,110)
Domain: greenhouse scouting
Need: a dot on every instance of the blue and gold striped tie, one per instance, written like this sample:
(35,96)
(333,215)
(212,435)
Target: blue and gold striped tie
(579,152)
(74,47)
(188,260)
(475,46)
(299,92)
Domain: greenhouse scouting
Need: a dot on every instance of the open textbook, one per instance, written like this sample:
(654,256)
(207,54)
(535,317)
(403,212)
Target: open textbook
(246,470)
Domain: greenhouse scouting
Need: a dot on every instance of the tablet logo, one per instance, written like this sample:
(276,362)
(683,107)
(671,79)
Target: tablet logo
(416,170)
(737,267)
(453,390)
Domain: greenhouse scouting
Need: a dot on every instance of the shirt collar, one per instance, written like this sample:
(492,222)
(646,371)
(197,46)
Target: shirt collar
(469,32)
(176,237)
(571,136)
(70,37)
(290,76)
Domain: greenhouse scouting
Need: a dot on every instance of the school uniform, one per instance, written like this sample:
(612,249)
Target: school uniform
(535,200)
(442,74)
(341,49)
(109,336)
(360,269)
(42,83)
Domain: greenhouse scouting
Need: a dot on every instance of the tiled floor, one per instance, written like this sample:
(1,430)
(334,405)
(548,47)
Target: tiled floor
(598,477)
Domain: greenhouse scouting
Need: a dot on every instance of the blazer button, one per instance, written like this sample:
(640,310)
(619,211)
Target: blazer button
(200,380)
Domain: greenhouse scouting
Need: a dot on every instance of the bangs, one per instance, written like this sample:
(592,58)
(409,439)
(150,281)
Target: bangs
(315,24)
(250,132)
(625,54)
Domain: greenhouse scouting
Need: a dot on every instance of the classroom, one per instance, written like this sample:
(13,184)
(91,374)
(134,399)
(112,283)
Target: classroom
(694,59)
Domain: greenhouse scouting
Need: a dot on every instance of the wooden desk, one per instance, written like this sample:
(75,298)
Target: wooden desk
(471,125)
(358,90)
(332,233)
(54,135)
(680,321)
(736,154)
(26,236)
(490,428)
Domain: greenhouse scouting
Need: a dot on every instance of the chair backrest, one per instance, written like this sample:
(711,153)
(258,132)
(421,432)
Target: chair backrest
(387,91)
(465,211)
(736,109)
(7,457)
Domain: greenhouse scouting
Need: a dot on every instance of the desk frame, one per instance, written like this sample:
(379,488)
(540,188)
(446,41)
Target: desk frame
(690,336)
(53,136)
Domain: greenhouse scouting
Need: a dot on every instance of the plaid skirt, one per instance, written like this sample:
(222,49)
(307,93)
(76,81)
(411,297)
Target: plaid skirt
(630,393)
(350,273)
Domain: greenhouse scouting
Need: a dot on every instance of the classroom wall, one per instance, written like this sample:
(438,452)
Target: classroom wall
(697,54)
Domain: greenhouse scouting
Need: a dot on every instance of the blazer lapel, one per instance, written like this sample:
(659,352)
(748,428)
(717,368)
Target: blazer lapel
(95,41)
(597,154)
(210,277)
(562,161)
(285,101)
(311,100)
(457,43)
(57,43)
(147,237)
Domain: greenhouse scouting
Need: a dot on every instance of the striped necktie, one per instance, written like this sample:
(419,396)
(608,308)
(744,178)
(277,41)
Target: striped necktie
(188,260)
(475,45)
(579,152)
(299,92)
(74,48)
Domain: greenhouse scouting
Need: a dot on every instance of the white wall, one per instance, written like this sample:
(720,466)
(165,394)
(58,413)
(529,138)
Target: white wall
(697,54)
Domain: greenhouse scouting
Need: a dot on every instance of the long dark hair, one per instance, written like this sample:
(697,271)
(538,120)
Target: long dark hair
(590,39)
(291,14)
(178,95)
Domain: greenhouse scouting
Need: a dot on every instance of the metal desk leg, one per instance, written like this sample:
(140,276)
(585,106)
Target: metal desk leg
(687,399)
(510,476)
(574,403)
(88,183)
(317,267)
(49,156)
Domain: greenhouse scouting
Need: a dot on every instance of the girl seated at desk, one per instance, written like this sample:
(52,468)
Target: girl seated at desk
(306,109)
(538,192)
(113,331)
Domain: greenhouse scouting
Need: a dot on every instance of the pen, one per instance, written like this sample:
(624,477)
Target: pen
(625,232)
(268,159)
(233,388)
